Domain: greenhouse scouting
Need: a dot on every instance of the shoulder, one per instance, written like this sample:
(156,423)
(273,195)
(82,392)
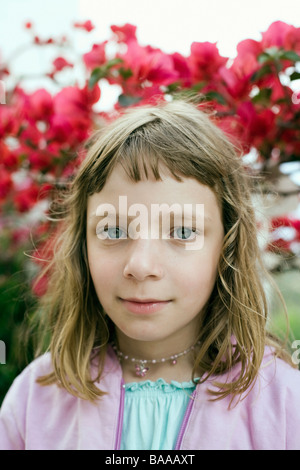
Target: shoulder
(277,375)
(17,400)
(35,416)
(274,405)
(266,417)
(25,384)
(27,378)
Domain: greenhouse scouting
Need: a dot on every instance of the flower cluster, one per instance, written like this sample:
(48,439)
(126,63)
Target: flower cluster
(42,134)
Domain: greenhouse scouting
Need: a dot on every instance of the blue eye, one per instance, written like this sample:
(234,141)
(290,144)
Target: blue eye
(115,233)
(183,233)
(111,233)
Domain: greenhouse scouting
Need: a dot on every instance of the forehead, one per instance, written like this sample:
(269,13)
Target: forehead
(167,190)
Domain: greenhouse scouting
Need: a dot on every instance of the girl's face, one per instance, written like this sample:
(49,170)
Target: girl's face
(153,286)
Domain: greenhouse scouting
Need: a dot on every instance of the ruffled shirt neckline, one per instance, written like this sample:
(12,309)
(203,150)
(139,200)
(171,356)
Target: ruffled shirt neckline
(159,384)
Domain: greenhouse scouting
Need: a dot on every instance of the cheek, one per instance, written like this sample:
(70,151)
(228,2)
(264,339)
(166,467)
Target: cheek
(103,273)
(198,277)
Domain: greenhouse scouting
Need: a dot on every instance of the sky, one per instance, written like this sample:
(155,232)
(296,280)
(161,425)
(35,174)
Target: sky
(171,25)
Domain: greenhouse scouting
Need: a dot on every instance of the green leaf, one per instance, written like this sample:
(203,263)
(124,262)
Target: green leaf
(103,71)
(214,95)
(290,55)
(199,86)
(96,75)
(173,87)
(264,70)
(295,76)
(116,61)
(125,73)
(128,100)
(263,57)
(263,96)
(272,53)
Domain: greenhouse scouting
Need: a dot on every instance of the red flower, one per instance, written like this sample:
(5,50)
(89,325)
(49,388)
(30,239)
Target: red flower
(60,63)
(21,235)
(9,121)
(87,26)
(286,221)
(257,125)
(8,158)
(144,67)
(205,60)
(181,66)
(39,286)
(292,40)
(282,240)
(5,183)
(26,198)
(246,63)
(72,120)
(92,95)
(96,56)
(124,33)
(238,87)
(277,34)
(40,160)
(39,105)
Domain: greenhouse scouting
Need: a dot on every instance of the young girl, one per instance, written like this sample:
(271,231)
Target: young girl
(155,306)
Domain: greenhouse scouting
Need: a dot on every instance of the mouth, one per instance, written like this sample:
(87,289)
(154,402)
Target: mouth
(144,306)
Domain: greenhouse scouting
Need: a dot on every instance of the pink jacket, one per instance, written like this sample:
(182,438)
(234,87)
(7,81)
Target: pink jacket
(47,417)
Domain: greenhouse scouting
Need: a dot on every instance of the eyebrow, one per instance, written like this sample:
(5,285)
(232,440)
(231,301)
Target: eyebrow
(133,217)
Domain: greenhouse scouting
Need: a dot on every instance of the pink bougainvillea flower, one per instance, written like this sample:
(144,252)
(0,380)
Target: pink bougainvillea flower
(21,235)
(258,125)
(24,199)
(233,128)
(147,67)
(9,120)
(40,159)
(39,286)
(292,40)
(280,240)
(276,35)
(8,158)
(237,86)
(60,128)
(96,57)
(6,183)
(60,63)
(87,25)
(205,60)
(246,63)
(124,33)
(39,105)
(92,95)
(72,115)
(181,66)
(31,137)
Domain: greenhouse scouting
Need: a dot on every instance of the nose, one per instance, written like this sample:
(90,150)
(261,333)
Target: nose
(144,260)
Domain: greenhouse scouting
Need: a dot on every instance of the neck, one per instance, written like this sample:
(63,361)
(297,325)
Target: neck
(153,361)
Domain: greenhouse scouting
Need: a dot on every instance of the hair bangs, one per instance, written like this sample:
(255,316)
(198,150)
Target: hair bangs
(141,159)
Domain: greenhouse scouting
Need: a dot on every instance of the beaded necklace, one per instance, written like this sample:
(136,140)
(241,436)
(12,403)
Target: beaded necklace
(142,365)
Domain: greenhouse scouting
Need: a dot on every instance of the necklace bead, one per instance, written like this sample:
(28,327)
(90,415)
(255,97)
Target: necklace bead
(140,364)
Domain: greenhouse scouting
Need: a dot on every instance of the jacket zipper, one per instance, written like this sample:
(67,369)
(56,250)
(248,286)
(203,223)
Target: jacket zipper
(182,427)
(120,417)
(185,421)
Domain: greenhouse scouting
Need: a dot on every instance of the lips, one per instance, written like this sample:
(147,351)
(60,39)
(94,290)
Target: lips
(144,301)
(144,306)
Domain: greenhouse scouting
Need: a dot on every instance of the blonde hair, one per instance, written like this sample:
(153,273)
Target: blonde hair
(179,136)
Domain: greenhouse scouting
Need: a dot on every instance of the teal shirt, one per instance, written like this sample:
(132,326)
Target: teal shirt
(153,413)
